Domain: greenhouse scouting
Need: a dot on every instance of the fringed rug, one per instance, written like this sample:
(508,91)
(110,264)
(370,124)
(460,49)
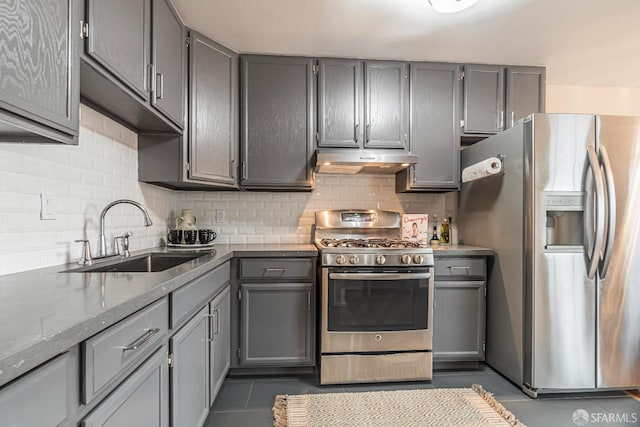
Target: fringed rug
(436,407)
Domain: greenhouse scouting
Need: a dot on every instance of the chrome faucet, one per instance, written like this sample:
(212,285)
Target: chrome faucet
(103,241)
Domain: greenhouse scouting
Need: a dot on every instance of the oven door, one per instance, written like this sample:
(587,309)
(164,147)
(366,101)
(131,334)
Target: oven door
(376,310)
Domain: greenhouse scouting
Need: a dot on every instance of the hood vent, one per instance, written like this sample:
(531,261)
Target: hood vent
(351,162)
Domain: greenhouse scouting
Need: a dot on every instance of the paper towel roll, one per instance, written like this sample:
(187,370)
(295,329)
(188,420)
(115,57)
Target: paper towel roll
(488,167)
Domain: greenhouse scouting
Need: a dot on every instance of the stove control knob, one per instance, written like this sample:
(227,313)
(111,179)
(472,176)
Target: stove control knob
(340,259)
(353,259)
(405,259)
(418,259)
(380,259)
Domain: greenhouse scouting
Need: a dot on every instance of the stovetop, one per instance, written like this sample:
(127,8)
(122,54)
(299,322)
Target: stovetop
(371,243)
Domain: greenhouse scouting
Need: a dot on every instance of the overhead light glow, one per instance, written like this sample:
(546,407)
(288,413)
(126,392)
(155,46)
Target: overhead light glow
(451,6)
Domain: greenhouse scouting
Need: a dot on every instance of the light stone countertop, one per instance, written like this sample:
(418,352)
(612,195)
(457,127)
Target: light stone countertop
(460,250)
(44,312)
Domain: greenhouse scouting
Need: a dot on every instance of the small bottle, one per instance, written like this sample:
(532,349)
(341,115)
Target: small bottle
(444,232)
(434,237)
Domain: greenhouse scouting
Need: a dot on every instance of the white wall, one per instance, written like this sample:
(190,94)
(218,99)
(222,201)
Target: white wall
(83,179)
(598,100)
(259,217)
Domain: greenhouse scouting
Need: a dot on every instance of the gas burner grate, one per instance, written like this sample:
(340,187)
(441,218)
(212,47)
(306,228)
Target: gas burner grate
(371,243)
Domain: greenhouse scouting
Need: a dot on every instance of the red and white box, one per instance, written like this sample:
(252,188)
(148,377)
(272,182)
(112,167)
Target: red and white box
(415,227)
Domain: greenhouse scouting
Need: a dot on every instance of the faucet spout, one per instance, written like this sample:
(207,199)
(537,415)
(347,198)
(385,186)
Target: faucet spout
(103,241)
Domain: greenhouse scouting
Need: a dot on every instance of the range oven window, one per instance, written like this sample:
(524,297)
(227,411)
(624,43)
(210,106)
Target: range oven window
(377,304)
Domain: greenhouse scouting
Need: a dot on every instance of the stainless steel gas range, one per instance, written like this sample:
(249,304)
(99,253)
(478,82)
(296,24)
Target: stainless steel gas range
(376,299)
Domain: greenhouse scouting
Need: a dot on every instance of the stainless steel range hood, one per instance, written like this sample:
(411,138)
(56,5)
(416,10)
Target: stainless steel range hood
(354,161)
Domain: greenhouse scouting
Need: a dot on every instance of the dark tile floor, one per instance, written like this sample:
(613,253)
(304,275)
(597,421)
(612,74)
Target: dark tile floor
(247,402)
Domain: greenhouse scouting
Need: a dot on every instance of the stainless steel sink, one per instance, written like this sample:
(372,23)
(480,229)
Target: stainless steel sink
(149,263)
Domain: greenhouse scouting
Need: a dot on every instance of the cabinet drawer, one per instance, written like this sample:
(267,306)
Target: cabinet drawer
(121,346)
(193,296)
(39,398)
(460,267)
(275,268)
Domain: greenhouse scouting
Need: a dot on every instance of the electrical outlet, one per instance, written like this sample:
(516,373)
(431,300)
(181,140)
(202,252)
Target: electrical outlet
(220,219)
(48,207)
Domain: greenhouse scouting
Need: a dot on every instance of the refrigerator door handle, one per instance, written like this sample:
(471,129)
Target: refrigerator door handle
(592,254)
(610,212)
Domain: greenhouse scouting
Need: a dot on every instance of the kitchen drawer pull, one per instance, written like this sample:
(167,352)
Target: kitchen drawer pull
(143,339)
(460,267)
(272,270)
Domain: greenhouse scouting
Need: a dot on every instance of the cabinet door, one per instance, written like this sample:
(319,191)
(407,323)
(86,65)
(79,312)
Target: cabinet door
(220,347)
(190,372)
(213,135)
(386,104)
(340,103)
(434,132)
(119,40)
(459,321)
(277,324)
(169,61)
(525,92)
(39,61)
(278,122)
(483,98)
(142,399)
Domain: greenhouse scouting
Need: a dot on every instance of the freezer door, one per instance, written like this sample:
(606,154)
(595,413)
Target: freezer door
(560,300)
(618,343)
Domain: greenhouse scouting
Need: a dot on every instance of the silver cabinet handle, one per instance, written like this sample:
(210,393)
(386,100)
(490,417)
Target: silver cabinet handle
(592,255)
(378,276)
(271,271)
(513,118)
(159,86)
(366,132)
(355,132)
(459,267)
(610,210)
(142,340)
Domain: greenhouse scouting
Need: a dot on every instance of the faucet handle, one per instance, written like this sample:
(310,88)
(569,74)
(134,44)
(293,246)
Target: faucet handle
(125,244)
(85,258)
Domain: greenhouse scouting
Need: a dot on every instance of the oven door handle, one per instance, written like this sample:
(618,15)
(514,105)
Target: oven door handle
(378,276)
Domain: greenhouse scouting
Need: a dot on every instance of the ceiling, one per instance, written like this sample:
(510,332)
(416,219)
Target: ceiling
(581,42)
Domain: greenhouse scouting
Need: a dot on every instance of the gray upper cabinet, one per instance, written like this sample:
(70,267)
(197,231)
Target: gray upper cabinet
(483,99)
(205,156)
(525,92)
(125,53)
(340,103)
(278,122)
(133,66)
(39,73)
(169,62)
(213,95)
(433,131)
(386,104)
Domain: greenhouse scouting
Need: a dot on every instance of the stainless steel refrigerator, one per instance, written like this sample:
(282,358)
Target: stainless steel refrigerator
(563,298)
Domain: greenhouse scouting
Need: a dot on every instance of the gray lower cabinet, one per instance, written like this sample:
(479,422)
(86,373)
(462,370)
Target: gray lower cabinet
(434,133)
(142,399)
(277,324)
(459,310)
(277,122)
(133,65)
(483,101)
(220,342)
(525,92)
(39,71)
(44,397)
(190,372)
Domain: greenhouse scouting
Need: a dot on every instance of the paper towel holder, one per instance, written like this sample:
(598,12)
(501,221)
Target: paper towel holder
(501,172)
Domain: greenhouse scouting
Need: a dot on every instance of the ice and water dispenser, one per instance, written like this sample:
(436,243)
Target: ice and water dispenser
(562,221)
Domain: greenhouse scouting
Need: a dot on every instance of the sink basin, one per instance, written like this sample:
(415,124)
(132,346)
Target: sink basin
(149,263)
